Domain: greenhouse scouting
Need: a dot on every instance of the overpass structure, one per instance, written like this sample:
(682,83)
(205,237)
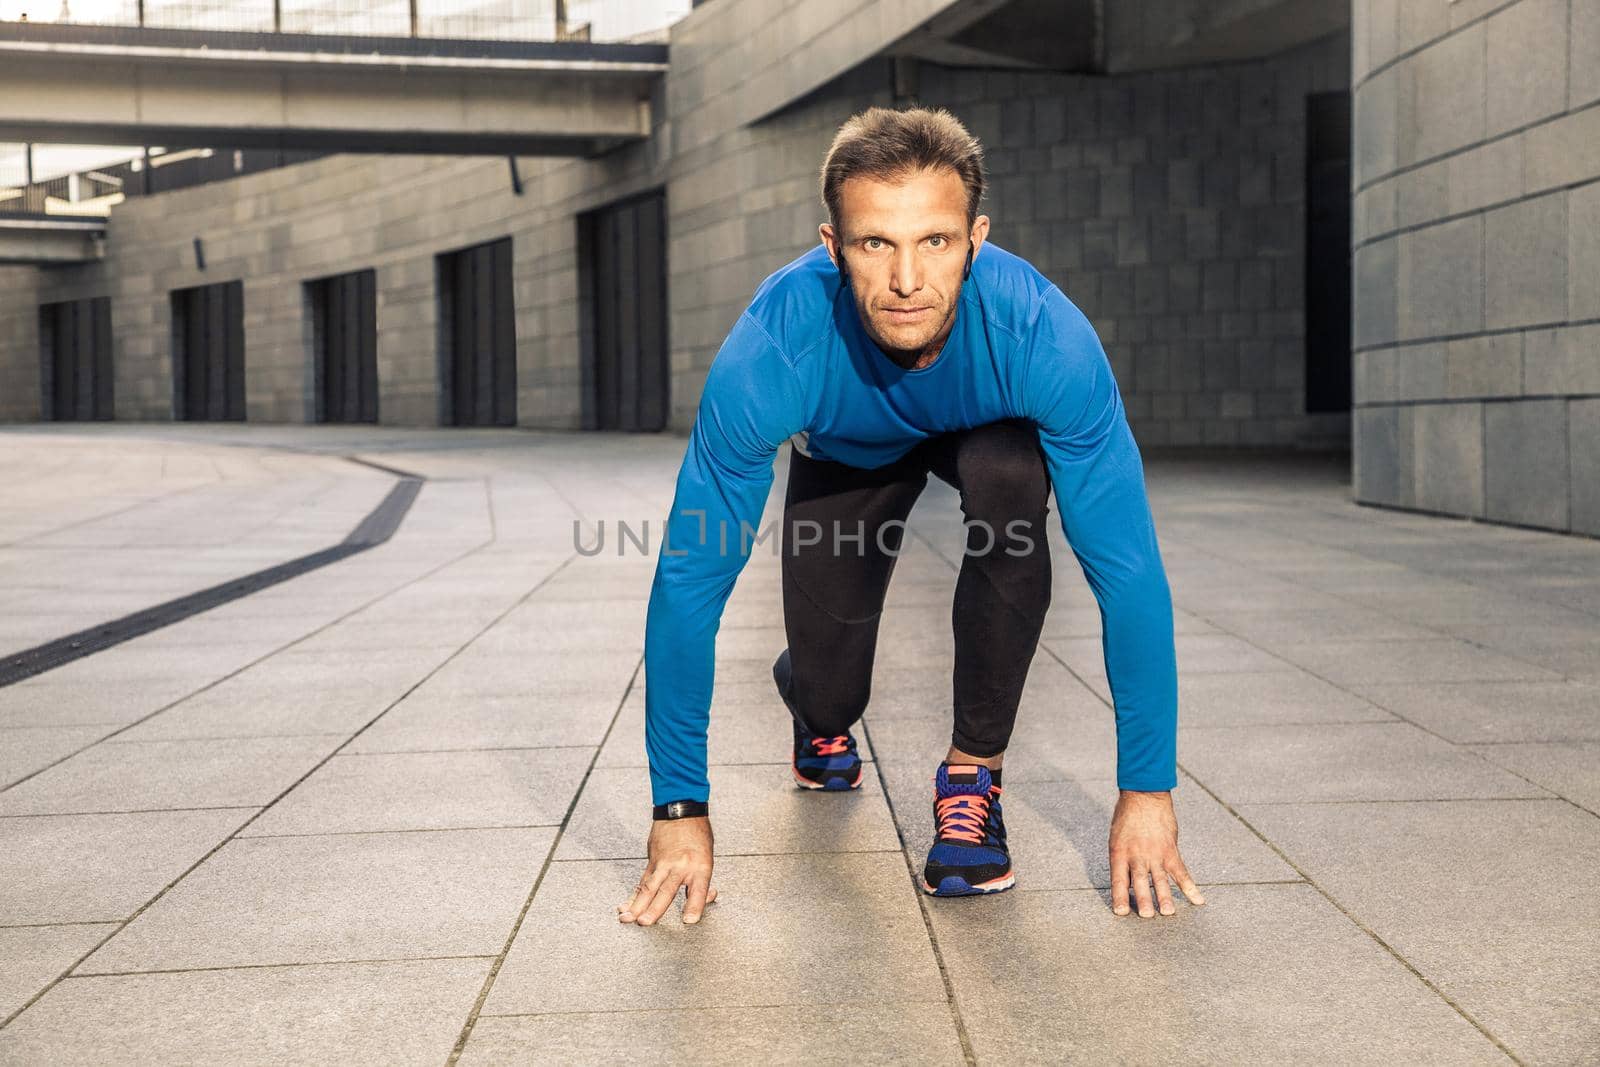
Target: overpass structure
(83,84)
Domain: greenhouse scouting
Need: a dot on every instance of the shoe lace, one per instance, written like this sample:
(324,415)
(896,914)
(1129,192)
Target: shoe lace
(964,817)
(831,746)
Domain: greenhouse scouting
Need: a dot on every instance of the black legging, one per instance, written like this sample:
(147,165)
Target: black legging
(833,599)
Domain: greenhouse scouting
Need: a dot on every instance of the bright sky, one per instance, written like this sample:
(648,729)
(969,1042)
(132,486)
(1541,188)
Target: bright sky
(611,20)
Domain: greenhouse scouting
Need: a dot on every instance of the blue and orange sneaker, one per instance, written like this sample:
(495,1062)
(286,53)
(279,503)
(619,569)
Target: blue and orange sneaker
(969,853)
(820,761)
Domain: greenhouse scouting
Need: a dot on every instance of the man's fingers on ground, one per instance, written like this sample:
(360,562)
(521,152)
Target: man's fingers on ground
(1163,892)
(639,896)
(642,893)
(1119,885)
(1141,890)
(1180,874)
(696,902)
(663,898)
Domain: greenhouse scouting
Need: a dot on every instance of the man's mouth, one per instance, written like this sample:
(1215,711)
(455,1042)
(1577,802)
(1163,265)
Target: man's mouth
(905,313)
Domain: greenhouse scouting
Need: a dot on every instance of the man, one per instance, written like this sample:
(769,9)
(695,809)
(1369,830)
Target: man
(904,345)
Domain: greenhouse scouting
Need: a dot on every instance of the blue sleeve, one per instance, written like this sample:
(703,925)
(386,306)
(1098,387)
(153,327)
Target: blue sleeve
(1095,468)
(751,403)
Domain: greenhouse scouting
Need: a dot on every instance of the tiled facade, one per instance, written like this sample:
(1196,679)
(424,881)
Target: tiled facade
(1477,259)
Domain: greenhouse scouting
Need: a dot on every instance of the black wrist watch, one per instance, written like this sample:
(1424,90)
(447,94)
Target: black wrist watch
(680,809)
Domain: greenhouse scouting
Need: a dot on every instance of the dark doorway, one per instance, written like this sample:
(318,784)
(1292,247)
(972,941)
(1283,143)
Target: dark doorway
(208,352)
(1328,252)
(75,359)
(344,346)
(622,271)
(477,337)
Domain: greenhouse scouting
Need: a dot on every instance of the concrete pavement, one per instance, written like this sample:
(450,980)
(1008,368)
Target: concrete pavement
(383,811)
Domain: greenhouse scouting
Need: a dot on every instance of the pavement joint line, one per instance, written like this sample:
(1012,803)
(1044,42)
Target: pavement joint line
(1402,716)
(125,811)
(555,843)
(968,1053)
(374,529)
(5,1022)
(274,966)
(725,854)
(400,830)
(705,1007)
(1345,911)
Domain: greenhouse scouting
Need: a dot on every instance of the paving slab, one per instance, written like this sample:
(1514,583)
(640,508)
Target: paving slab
(743,952)
(369,792)
(1569,769)
(1269,698)
(749,724)
(1340,761)
(25,750)
(879,1032)
(398,1011)
(757,809)
(1468,712)
(1197,653)
(1259,973)
(1485,898)
(100,868)
(431,718)
(151,775)
(250,705)
(336,898)
(31,957)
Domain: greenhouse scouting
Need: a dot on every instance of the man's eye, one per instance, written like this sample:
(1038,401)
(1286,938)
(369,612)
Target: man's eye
(873,242)
(938,238)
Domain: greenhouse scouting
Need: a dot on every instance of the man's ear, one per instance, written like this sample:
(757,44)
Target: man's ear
(826,232)
(980,230)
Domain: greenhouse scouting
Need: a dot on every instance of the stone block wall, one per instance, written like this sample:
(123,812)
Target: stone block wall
(1170,206)
(1477,259)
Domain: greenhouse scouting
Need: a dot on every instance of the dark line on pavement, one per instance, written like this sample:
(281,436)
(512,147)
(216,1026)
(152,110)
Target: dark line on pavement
(373,530)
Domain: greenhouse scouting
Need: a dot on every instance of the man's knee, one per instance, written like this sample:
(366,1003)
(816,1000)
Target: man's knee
(1003,473)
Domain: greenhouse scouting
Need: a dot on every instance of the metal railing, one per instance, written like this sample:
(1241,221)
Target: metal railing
(96,191)
(489,20)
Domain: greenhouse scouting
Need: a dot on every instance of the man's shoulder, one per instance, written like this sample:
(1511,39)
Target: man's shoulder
(794,304)
(1013,289)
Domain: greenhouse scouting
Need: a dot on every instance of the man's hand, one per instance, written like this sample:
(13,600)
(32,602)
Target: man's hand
(680,855)
(1144,842)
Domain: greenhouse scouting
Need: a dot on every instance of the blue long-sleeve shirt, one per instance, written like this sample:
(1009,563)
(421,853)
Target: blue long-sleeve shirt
(799,364)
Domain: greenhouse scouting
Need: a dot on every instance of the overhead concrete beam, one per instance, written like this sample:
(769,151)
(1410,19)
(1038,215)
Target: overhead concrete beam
(1152,34)
(152,90)
(48,241)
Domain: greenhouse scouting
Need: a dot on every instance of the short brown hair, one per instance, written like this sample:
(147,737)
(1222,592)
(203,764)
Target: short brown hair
(891,145)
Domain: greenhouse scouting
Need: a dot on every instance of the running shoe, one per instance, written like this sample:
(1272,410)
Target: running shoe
(820,761)
(969,853)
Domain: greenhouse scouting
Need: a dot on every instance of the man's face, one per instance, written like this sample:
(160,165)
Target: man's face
(904,245)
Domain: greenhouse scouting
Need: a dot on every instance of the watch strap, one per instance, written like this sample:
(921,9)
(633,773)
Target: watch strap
(681,809)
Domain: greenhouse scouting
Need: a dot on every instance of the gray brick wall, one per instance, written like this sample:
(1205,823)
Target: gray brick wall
(1170,206)
(1477,250)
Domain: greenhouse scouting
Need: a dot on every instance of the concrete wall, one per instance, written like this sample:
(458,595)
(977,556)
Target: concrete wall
(1477,262)
(1169,205)
(19,335)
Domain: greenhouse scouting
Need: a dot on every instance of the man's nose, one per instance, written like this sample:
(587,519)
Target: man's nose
(907,275)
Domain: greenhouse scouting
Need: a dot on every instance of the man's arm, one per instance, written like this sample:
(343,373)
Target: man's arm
(1070,392)
(751,403)
(1100,494)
